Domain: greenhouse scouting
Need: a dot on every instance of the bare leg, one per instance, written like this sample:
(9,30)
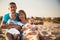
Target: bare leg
(16,36)
(9,36)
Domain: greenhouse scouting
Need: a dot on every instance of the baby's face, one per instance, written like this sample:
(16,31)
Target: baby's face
(31,21)
(13,16)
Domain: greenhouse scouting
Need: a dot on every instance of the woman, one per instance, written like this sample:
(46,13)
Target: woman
(23,19)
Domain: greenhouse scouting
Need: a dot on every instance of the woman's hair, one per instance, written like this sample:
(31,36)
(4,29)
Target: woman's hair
(22,11)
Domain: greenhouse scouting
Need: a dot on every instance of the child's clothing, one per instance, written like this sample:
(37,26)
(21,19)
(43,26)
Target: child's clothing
(25,32)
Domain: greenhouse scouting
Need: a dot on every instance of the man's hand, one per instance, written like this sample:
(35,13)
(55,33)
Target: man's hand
(3,25)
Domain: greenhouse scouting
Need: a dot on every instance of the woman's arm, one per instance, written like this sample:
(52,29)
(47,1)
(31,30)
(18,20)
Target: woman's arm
(24,28)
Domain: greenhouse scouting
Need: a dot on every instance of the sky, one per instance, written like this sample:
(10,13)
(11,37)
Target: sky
(35,8)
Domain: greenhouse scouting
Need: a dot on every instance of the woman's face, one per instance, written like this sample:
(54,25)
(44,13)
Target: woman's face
(21,16)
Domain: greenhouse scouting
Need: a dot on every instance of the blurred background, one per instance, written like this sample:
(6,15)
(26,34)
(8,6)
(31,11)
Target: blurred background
(39,8)
(45,12)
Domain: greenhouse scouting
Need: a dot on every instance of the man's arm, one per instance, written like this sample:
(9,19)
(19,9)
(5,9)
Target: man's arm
(6,26)
(4,21)
(3,25)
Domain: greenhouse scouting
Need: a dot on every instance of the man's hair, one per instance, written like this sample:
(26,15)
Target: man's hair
(12,3)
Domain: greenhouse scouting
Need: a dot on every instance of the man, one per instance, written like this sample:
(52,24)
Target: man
(12,10)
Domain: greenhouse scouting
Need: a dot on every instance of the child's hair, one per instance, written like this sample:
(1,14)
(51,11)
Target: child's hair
(12,3)
(31,18)
(22,11)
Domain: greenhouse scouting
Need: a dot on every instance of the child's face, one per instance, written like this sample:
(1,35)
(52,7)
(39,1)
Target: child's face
(31,21)
(13,16)
(12,8)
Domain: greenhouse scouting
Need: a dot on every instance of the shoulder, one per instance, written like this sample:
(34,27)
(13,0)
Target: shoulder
(27,24)
(5,17)
(6,14)
(16,13)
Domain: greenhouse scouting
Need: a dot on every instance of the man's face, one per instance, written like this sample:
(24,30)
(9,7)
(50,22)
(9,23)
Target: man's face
(12,8)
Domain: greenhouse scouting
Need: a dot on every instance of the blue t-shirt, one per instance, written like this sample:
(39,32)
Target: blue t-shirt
(6,17)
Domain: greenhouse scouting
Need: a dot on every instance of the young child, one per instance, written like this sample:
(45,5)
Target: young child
(15,30)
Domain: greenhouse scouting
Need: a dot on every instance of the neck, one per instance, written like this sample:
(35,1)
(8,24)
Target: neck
(23,21)
(12,12)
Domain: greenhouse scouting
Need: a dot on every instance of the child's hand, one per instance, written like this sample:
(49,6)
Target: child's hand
(36,28)
(27,27)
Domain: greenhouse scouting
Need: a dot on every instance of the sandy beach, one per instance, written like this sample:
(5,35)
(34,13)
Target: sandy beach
(50,30)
